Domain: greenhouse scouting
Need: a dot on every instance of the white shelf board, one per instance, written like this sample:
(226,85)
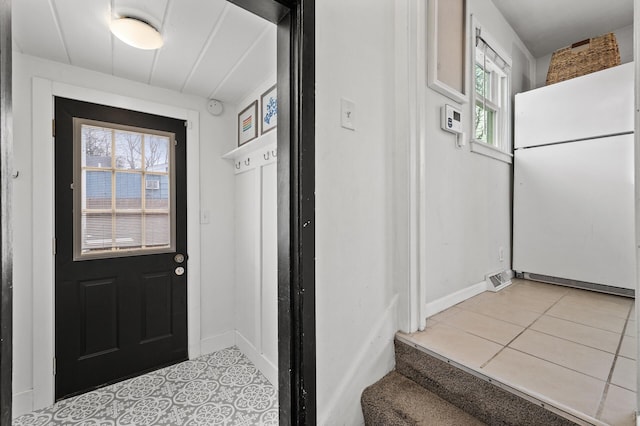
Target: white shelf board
(249,147)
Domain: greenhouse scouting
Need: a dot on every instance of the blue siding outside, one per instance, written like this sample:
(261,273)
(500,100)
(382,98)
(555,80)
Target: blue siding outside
(98,185)
(158,194)
(128,185)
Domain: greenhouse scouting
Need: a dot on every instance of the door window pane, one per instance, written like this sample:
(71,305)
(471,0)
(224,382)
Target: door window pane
(97,192)
(156,153)
(120,207)
(129,191)
(128,150)
(156,228)
(97,229)
(128,230)
(157,191)
(96,147)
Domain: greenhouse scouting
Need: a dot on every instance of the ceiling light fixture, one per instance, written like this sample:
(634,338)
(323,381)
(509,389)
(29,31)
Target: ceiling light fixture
(136,33)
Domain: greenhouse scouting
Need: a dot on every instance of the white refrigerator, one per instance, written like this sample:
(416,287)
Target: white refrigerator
(573,203)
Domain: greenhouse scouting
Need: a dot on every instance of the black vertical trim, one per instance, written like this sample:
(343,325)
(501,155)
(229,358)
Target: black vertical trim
(302,222)
(296,204)
(6,251)
(296,216)
(271,10)
(287,371)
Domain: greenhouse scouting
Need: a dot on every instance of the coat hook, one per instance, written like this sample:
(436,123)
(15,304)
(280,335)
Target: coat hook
(266,155)
(238,164)
(16,174)
(247,161)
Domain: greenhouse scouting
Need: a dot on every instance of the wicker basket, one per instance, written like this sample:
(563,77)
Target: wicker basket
(584,57)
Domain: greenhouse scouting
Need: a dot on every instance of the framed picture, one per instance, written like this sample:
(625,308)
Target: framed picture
(248,124)
(269,109)
(446,47)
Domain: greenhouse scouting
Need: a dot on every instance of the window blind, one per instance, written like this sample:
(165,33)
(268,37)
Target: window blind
(489,53)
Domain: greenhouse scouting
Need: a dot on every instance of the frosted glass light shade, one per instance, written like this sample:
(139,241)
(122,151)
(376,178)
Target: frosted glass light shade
(136,33)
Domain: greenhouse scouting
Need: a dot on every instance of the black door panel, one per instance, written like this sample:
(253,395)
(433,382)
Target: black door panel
(119,316)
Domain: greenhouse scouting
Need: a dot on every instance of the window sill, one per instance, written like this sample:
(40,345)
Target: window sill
(489,151)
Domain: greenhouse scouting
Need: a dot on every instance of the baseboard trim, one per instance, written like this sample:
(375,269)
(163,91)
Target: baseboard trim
(261,362)
(448,301)
(373,361)
(22,403)
(216,343)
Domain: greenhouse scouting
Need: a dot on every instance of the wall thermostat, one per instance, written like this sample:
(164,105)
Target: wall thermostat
(451,119)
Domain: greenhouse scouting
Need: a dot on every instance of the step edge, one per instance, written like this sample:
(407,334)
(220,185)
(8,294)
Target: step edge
(533,397)
(369,395)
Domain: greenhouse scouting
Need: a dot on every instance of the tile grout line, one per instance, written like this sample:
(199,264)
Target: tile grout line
(558,365)
(496,317)
(586,325)
(607,385)
(573,341)
(525,329)
(463,329)
(457,327)
(581,323)
(566,295)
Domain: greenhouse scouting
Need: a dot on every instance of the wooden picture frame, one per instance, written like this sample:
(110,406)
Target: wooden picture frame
(269,110)
(446,48)
(248,123)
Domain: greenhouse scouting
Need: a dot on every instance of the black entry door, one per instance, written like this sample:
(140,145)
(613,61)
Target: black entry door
(120,225)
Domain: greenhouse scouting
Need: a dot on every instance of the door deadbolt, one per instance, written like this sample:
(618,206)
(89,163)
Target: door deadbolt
(179,258)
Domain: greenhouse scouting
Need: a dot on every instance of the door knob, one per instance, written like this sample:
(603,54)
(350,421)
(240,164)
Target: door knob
(179,271)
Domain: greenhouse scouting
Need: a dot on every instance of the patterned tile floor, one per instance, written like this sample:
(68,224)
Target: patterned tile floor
(222,388)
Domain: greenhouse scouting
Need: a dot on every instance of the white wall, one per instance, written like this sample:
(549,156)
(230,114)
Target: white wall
(360,178)
(624,36)
(355,296)
(256,260)
(216,195)
(468,207)
(217,189)
(256,284)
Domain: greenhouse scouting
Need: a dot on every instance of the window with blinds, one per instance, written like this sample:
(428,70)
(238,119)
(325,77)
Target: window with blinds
(123,190)
(491,97)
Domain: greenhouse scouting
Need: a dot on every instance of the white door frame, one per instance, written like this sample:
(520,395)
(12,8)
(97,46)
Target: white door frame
(410,164)
(43,94)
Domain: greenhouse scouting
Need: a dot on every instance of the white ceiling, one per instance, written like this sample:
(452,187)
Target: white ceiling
(547,25)
(216,50)
(212,48)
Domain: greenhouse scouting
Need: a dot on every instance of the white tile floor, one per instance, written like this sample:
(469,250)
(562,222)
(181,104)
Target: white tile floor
(575,348)
(222,388)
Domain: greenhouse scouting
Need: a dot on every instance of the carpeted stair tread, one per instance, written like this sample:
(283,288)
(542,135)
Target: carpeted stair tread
(396,400)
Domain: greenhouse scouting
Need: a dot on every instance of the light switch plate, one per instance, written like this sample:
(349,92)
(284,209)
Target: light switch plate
(347,114)
(204,216)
